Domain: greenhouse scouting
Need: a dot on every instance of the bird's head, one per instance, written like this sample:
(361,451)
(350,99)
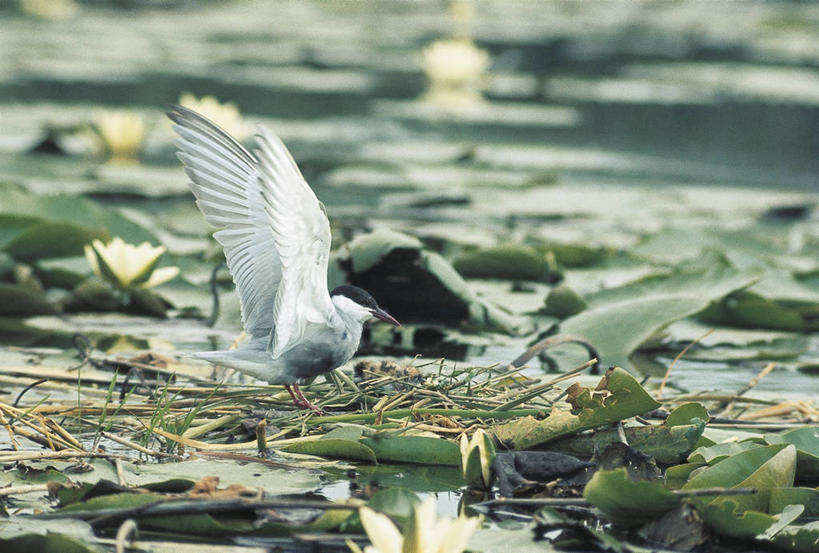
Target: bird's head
(359,304)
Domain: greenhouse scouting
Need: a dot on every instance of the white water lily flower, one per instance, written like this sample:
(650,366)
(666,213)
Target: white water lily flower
(226,115)
(126,265)
(477,455)
(49,9)
(424,533)
(122,132)
(455,68)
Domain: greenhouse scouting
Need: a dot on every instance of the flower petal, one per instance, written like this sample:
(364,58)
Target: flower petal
(160,276)
(457,537)
(382,532)
(91,257)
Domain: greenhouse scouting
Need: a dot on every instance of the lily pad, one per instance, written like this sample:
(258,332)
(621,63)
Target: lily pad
(761,468)
(625,500)
(618,396)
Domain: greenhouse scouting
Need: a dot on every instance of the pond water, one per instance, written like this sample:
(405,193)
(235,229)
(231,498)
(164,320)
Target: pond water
(636,132)
(659,160)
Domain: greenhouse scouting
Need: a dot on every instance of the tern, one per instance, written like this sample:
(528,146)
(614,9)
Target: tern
(276,238)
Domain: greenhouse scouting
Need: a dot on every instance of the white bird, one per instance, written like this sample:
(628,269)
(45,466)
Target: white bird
(276,239)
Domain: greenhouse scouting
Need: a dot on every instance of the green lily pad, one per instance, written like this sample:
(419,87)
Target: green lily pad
(782,497)
(52,239)
(667,445)
(625,398)
(761,468)
(729,520)
(799,538)
(16,299)
(806,440)
(620,320)
(415,449)
(625,500)
(686,413)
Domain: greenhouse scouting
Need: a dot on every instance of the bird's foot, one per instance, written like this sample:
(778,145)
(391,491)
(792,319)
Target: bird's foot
(300,401)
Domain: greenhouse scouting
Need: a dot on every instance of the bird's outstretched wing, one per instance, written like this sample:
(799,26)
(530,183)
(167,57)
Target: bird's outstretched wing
(275,232)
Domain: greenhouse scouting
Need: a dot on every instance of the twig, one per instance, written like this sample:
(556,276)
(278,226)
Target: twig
(133,445)
(28,488)
(552,341)
(674,362)
(126,530)
(120,473)
(727,406)
(26,389)
(66,454)
(400,413)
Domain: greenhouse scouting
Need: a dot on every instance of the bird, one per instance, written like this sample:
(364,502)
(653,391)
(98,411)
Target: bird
(276,238)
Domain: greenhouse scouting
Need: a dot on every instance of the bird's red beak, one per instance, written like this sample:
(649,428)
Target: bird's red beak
(384,316)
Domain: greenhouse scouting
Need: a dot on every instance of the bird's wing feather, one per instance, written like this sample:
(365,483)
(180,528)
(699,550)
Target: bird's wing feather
(301,233)
(275,234)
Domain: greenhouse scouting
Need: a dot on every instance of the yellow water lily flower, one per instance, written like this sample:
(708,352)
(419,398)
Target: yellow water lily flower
(126,265)
(424,532)
(226,114)
(455,68)
(477,455)
(122,132)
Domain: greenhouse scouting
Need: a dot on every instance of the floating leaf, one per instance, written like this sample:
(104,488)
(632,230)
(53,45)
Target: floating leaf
(666,444)
(686,413)
(618,321)
(761,468)
(618,396)
(625,500)
(16,299)
(782,497)
(414,449)
(52,239)
(806,440)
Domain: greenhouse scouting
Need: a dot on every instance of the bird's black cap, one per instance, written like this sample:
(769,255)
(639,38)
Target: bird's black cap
(358,295)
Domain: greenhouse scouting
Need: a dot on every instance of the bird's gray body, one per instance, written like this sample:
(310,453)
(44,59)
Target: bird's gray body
(276,239)
(323,349)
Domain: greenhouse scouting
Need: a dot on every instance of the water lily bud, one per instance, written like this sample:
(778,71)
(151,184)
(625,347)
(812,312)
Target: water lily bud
(477,455)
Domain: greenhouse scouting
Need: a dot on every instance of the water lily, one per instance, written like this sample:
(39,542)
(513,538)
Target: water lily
(477,455)
(122,132)
(127,265)
(424,532)
(49,9)
(455,68)
(224,114)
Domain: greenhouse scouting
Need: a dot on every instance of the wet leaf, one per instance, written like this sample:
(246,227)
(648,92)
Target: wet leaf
(562,302)
(414,449)
(618,321)
(618,396)
(761,468)
(681,529)
(712,455)
(666,444)
(729,520)
(17,299)
(686,413)
(49,239)
(509,261)
(782,497)
(334,448)
(800,538)
(806,441)
(626,501)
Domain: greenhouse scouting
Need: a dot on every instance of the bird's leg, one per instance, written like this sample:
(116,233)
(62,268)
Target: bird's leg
(299,400)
